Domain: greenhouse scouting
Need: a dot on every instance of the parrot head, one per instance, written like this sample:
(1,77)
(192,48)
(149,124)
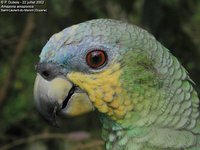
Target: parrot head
(100,64)
(123,72)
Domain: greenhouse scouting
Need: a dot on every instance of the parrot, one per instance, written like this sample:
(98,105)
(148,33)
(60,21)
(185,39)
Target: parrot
(144,97)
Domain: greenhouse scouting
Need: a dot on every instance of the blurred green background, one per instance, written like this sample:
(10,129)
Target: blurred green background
(175,23)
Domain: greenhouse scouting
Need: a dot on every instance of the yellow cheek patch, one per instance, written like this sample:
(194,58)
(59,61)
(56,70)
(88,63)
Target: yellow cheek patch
(79,104)
(104,90)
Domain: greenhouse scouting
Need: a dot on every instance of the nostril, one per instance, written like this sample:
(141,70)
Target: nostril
(47,70)
(46,73)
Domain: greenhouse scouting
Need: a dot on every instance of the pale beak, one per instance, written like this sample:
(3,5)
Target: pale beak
(59,96)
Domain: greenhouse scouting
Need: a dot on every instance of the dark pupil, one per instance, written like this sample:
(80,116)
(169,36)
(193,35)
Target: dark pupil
(96,58)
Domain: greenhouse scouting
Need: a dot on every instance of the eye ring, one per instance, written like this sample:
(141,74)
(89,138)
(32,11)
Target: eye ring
(96,58)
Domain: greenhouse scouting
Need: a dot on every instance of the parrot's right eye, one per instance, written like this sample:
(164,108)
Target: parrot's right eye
(96,58)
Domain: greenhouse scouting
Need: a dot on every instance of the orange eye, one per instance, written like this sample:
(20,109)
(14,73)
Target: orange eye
(96,58)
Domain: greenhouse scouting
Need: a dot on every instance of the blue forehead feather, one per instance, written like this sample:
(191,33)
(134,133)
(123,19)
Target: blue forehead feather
(69,47)
(54,44)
